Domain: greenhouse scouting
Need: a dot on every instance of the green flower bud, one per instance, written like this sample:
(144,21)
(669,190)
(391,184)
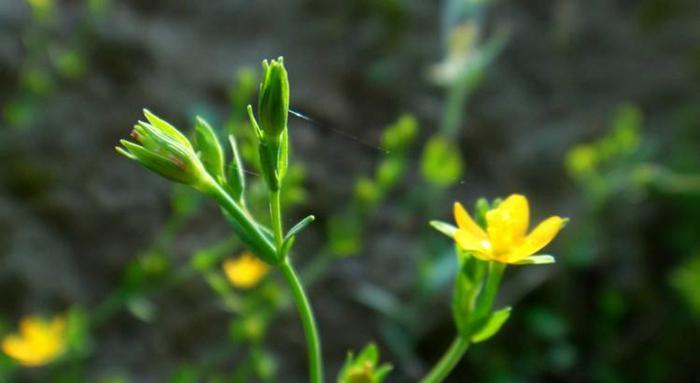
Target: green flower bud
(364,368)
(273,100)
(273,107)
(164,150)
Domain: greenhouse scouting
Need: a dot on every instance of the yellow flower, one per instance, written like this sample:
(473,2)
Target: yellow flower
(245,271)
(38,342)
(506,239)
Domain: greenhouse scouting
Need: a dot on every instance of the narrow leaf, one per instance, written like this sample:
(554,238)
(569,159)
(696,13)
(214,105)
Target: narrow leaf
(299,226)
(496,320)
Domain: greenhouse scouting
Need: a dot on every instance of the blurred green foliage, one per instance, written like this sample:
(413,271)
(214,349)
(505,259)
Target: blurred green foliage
(624,300)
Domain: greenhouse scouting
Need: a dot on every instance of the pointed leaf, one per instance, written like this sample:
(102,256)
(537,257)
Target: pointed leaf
(496,320)
(301,225)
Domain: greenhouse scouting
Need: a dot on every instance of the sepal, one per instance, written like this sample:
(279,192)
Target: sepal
(235,176)
(537,260)
(444,227)
(209,149)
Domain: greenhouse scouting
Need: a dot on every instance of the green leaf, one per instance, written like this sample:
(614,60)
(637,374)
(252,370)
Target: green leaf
(494,323)
(261,247)
(441,164)
(301,225)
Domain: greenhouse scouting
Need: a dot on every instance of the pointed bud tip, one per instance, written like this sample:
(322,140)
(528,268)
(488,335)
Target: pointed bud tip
(124,152)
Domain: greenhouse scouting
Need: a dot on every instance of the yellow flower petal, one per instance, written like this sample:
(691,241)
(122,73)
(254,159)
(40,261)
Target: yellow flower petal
(536,240)
(507,224)
(38,342)
(519,212)
(468,242)
(465,222)
(245,271)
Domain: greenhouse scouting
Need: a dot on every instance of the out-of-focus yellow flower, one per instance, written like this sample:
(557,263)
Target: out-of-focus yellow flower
(38,342)
(506,239)
(245,271)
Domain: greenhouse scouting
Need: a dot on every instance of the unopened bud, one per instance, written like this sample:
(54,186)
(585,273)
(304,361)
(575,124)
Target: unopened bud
(273,100)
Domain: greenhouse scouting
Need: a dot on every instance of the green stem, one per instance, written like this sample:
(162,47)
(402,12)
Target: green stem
(448,361)
(276,213)
(254,238)
(459,346)
(313,343)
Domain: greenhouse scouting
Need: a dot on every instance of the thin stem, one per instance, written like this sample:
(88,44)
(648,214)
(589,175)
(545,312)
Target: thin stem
(448,361)
(459,346)
(249,229)
(313,343)
(276,213)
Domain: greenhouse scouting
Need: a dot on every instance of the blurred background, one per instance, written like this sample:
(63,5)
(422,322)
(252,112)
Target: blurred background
(590,108)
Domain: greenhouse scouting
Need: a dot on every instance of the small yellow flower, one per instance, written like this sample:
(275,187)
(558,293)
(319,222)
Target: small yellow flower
(245,271)
(506,239)
(38,342)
